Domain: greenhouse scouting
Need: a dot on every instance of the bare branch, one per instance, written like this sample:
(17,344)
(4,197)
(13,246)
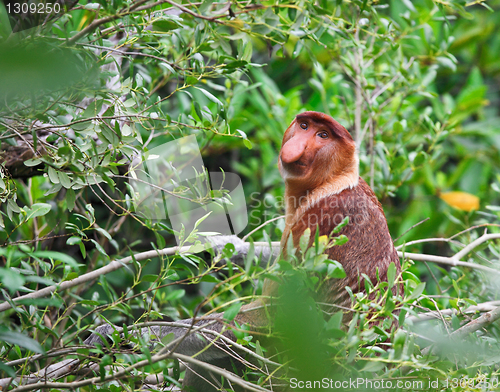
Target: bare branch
(484,307)
(358,88)
(117,264)
(113,266)
(447,261)
(98,22)
(475,244)
(482,321)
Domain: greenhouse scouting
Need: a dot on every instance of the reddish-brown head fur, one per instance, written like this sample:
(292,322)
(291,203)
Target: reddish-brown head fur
(317,156)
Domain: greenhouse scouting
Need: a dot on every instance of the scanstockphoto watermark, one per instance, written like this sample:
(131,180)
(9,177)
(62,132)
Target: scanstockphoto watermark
(363,384)
(485,384)
(171,182)
(26,14)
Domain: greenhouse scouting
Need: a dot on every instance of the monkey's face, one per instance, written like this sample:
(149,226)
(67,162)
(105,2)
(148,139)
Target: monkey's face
(315,149)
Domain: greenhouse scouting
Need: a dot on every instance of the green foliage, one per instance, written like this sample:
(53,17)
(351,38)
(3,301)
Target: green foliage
(84,94)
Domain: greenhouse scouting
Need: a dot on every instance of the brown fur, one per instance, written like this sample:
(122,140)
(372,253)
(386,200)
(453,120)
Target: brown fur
(369,247)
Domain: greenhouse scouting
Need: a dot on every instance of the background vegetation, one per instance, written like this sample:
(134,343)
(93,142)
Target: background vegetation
(416,83)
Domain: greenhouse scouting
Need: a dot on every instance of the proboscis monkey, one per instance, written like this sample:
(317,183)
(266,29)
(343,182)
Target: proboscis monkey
(319,163)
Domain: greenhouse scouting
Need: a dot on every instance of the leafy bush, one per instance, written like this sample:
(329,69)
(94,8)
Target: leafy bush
(87,92)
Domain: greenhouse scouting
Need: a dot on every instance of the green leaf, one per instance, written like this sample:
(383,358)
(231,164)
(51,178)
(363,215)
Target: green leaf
(99,248)
(149,278)
(420,158)
(417,291)
(210,279)
(304,239)
(175,295)
(104,233)
(232,311)
(341,225)
(37,209)
(70,199)
(167,24)
(335,321)
(65,180)
(402,316)
(7,370)
(247,52)
(455,286)
(233,65)
(210,96)
(397,127)
(197,110)
(340,240)
(53,255)
(13,206)
(21,340)
(89,302)
(129,103)
(41,302)
(92,6)
(335,269)
(82,250)
(446,62)
(391,274)
(32,162)
(11,279)
(249,259)
(373,366)
(54,178)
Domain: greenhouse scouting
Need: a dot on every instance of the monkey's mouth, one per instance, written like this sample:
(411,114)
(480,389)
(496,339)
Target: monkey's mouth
(297,168)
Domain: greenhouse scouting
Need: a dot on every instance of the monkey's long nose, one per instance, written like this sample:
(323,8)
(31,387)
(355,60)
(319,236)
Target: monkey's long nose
(292,150)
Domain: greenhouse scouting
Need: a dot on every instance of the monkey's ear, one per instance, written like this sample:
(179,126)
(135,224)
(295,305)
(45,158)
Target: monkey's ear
(264,253)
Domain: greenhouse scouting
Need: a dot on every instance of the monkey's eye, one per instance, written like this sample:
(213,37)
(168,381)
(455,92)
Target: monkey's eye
(303,125)
(323,134)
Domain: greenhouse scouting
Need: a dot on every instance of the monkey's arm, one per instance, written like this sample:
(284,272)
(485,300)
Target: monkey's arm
(265,254)
(188,340)
(191,341)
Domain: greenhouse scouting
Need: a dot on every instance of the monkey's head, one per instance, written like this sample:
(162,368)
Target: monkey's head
(317,150)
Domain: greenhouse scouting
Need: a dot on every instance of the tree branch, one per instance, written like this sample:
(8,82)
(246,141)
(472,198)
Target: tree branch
(113,266)
(434,314)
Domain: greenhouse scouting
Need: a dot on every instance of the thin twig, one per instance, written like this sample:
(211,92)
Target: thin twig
(474,244)
(411,228)
(426,240)
(358,93)
(447,261)
(483,307)
(372,154)
(261,226)
(188,11)
(113,266)
(98,22)
(482,321)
